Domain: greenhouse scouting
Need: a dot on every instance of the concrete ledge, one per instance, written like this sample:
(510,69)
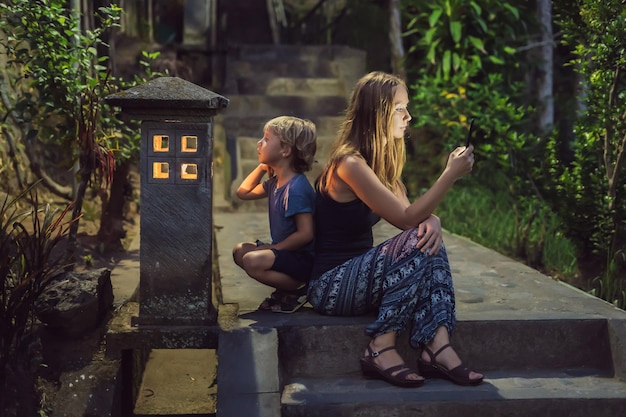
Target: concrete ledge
(617,337)
(247,373)
(313,347)
(122,335)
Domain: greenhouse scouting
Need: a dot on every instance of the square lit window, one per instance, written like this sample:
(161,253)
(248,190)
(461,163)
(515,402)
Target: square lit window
(161,143)
(189,144)
(160,170)
(189,171)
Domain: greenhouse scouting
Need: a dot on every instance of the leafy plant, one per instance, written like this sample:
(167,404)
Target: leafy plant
(62,84)
(470,49)
(28,263)
(589,193)
(504,151)
(473,71)
(448,34)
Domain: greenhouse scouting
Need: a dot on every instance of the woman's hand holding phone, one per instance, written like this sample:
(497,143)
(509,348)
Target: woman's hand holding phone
(469,133)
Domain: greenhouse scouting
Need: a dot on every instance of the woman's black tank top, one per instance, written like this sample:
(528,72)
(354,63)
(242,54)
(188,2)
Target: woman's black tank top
(342,231)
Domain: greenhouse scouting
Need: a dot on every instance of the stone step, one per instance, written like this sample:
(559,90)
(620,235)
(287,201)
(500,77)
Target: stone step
(290,53)
(312,351)
(533,367)
(265,81)
(264,62)
(291,86)
(302,67)
(513,394)
(270,106)
(549,364)
(248,147)
(252,125)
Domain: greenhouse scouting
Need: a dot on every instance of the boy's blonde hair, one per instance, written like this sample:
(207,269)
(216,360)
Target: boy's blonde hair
(366,131)
(298,134)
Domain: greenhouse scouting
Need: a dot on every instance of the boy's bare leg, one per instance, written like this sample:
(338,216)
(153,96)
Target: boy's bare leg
(240,250)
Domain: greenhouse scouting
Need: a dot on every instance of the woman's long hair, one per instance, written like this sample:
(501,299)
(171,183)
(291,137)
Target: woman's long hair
(366,131)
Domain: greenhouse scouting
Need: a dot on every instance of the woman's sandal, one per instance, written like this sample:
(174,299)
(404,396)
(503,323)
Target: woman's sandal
(459,375)
(371,370)
(289,303)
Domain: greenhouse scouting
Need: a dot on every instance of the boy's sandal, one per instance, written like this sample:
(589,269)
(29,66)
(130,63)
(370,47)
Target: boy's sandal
(395,375)
(433,369)
(288,303)
(271,301)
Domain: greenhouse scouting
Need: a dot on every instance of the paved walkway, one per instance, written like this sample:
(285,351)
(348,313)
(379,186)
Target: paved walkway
(487,283)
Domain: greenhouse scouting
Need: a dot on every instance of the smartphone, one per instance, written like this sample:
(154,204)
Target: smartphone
(469,133)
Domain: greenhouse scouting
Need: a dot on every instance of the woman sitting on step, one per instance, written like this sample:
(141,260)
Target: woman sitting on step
(407,278)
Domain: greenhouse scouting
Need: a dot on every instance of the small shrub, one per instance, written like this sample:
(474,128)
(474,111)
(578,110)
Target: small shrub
(28,263)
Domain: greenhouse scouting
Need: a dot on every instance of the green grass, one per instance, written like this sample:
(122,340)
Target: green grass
(526,231)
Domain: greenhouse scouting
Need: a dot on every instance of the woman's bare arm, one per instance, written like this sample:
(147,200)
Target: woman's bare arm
(361,180)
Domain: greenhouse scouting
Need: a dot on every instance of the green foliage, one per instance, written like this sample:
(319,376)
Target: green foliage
(594,182)
(473,71)
(449,34)
(59,95)
(27,264)
(58,62)
(61,62)
(471,49)
(501,145)
(123,138)
(62,87)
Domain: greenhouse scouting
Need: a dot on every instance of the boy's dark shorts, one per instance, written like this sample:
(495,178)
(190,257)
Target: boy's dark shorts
(296,264)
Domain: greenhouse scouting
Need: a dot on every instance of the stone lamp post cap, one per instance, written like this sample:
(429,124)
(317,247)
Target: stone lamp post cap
(168,97)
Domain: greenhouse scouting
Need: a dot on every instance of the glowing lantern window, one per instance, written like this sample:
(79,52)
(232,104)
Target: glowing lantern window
(161,143)
(189,144)
(160,170)
(189,171)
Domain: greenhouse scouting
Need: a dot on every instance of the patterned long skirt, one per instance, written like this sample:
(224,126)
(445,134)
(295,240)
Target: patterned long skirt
(410,289)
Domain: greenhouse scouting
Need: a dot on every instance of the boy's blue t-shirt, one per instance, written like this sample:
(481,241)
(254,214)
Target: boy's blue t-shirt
(295,197)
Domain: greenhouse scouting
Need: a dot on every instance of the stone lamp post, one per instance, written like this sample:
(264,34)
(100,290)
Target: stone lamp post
(176,224)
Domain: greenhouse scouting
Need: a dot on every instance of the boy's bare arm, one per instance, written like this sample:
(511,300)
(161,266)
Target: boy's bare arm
(251,188)
(301,237)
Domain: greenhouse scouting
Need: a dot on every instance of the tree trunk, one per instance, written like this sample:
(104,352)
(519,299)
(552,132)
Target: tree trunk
(545,66)
(395,39)
(76,213)
(111,230)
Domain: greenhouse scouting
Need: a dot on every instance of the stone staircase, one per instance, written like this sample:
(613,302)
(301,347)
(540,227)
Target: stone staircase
(533,368)
(265,81)
(547,349)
